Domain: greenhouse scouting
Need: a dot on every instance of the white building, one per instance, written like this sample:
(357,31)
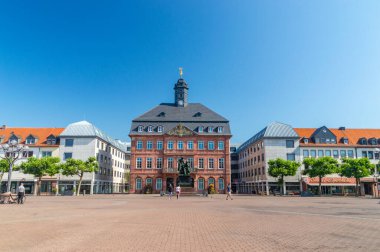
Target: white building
(82,140)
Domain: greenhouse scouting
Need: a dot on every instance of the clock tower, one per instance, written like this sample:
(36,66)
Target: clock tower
(180,93)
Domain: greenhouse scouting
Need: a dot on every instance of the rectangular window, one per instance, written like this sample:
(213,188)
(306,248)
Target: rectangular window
(46,154)
(159,145)
(370,154)
(159,163)
(201,163)
(190,145)
(30,140)
(201,145)
(289,143)
(139,145)
(149,163)
(221,163)
(201,184)
(321,153)
(305,153)
(170,145)
(343,153)
(377,156)
(149,145)
(364,154)
(139,163)
(159,184)
(328,153)
(335,154)
(69,142)
(313,153)
(291,156)
(220,145)
(170,162)
(211,145)
(211,163)
(180,145)
(67,155)
(221,183)
(350,153)
(190,162)
(149,181)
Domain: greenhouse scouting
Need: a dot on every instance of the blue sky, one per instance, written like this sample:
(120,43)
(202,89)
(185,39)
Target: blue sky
(305,63)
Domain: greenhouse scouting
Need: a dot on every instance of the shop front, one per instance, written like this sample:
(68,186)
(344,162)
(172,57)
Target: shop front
(334,186)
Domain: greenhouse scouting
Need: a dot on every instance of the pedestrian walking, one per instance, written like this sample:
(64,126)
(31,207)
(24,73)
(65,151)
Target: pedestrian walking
(21,194)
(170,189)
(229,192)
(178,190)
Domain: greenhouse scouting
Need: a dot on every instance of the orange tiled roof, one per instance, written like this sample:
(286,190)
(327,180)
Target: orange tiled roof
(353,135)
(40,133)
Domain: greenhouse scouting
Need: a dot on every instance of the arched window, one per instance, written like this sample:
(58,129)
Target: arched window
(138,184)
(201,184)
(149,181)
(221,183)
(211,181)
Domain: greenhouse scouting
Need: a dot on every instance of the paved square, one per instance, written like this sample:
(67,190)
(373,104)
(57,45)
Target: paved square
(153,223)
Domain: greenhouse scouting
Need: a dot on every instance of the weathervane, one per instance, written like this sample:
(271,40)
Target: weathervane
(180,72)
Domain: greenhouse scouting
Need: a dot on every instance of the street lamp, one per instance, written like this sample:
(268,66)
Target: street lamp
(12,151)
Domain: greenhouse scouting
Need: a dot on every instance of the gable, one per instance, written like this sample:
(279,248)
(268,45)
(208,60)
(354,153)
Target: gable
(323,135)
(180,130)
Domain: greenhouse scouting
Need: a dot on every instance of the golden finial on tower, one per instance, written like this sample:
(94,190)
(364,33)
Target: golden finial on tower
(180,72)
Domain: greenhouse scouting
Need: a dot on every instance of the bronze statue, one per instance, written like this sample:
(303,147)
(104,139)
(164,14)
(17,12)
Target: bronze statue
(183,167)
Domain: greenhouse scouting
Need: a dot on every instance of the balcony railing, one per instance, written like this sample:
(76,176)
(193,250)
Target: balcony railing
(175,170)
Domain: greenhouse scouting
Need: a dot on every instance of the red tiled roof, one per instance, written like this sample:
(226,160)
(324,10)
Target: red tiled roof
(353,135)
(40,133)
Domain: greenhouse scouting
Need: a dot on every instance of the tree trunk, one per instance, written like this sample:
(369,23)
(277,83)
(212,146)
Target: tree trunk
(283,186)
(79,184)
(357,187)
(320,187)
(39,186)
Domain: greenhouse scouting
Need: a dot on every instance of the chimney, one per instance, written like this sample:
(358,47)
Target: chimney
(3,127)
(342,128)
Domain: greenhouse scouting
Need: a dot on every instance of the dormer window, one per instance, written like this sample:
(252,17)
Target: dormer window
(30,140)
(140,128)
(210,129)
(345,140)
(220,129)
(372,141)
(51,140)
(14,138)
(160,129)
(150,128)
(363,141)
(162,114)
(200,129)
(306,140)
(198,114)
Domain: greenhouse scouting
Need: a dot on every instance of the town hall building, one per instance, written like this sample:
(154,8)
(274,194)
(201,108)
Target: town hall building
(180,143)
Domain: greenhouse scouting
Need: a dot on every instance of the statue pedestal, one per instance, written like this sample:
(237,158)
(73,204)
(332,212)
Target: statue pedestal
(185,181)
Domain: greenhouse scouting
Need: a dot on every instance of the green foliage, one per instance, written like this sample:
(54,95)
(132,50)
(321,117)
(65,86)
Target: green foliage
(320,167)
(78,167)
(279,168)
(4,167)
(211,189)
(40,167)
(356,168)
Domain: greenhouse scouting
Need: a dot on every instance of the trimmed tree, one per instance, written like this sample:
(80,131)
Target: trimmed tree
(39,167)
(78,167)
(279,168)
(356,168)
(320,167)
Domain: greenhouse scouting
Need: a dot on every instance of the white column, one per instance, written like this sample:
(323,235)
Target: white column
(267,186)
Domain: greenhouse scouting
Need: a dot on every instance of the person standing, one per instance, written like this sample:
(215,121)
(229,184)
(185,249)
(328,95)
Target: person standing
(229,192)
(178,190)
(170,189)
(21,194)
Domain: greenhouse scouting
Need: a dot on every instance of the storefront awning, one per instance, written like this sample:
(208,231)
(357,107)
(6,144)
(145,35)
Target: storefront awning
(331,181)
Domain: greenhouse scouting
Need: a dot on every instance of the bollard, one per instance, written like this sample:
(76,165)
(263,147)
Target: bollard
(84,192)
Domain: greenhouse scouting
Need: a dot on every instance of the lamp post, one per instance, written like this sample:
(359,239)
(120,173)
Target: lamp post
(12,151)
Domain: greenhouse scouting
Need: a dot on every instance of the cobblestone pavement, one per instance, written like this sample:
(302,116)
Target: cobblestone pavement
(153,223)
